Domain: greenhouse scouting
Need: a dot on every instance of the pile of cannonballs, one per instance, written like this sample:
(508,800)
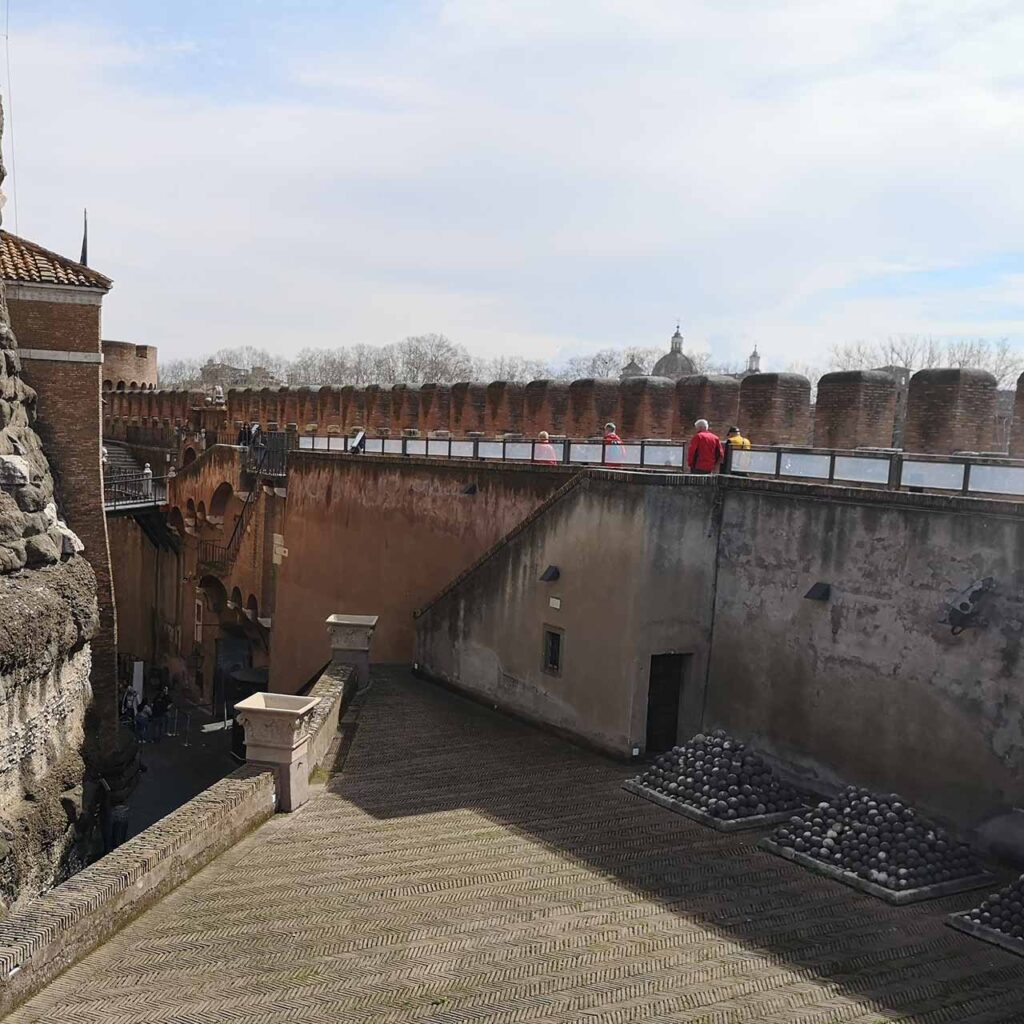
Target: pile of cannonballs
(1003,911)
(879,838)
(718,775)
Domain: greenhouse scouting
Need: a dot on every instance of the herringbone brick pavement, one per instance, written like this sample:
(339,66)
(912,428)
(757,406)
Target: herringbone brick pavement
(463,868)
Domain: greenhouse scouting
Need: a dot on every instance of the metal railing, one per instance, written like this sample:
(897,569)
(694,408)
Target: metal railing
(968,473)
(122,489)
(269,456)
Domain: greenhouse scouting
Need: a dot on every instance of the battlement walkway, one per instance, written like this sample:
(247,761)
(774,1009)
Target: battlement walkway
(464,867)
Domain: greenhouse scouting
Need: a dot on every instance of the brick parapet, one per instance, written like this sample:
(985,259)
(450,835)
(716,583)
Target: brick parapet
(950,410)
(126,365)
(775,408)
(854,409)
(769,408)
(59,928)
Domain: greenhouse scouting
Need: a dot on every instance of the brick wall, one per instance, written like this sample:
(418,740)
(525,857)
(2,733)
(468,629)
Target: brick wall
(1017,426)
(855,408)
(775,408)
(56,930)
(950,410)
(126,365)
(70,427)
(715,399)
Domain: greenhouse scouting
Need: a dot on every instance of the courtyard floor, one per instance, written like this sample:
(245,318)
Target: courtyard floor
(464,867)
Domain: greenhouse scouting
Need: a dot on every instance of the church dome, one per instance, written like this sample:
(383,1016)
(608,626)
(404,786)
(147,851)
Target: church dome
(674,364)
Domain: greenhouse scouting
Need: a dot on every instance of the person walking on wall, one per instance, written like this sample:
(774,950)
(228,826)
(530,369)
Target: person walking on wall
(544,451)
(614,453)
(734,441)
(705,453)
(244,435)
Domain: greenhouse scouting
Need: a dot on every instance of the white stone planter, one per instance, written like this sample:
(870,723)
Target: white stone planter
(277,734)
(351,636)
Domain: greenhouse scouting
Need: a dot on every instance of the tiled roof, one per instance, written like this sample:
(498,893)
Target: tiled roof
(24,262)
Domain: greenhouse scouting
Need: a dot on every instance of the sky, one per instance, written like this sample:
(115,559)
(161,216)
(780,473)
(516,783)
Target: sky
(526,176)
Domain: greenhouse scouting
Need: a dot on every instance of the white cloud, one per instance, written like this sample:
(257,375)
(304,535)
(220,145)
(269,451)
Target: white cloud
(542,177)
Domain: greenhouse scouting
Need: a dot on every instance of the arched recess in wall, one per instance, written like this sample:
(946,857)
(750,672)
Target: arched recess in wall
(176,521)
(120,385)
(189,457)
(134,386)
(220,501)
(252,608)
(236,599)
(190,513)
(201,515)
(213,593)
(107,385)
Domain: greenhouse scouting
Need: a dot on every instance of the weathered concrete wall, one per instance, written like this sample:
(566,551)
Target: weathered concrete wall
(636,565)
(871,687)
(384,534)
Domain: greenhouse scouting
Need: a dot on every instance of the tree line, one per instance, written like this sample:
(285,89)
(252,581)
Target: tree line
(434,358)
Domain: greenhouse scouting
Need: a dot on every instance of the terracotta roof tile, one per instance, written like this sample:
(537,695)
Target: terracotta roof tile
(24,262)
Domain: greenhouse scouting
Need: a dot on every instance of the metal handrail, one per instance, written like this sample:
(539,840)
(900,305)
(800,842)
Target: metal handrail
(888,469)
(127,488)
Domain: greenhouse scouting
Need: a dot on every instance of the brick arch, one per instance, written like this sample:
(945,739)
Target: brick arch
(189,456)
(176,521)
(252,608)
(220,500)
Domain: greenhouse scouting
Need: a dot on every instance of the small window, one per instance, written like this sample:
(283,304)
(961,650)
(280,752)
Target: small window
(552,651)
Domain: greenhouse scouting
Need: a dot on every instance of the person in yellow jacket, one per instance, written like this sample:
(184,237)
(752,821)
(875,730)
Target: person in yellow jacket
(736,439)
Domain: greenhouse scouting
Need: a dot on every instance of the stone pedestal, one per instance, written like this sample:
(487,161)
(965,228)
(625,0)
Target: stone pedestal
(351,636)
(277,734)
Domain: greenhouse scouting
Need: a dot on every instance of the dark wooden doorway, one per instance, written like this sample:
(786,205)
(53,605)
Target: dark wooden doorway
(664,697)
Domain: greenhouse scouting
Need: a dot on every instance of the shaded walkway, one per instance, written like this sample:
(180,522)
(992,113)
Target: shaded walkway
(467,868)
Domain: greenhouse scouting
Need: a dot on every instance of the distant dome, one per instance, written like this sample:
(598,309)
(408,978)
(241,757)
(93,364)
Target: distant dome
(674,364)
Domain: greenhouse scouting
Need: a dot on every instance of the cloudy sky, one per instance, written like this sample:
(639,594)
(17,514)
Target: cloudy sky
(541,177)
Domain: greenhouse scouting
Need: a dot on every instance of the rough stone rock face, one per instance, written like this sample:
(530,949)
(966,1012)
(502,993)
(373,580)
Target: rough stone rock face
(48,613)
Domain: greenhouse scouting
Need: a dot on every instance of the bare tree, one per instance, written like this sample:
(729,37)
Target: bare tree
(179,373)
(920,352)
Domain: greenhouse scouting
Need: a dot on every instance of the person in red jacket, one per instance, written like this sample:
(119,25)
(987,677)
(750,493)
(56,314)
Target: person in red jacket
(705,453)
(614,453)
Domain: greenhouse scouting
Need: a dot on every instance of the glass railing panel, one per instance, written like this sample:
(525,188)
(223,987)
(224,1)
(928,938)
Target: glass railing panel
(585,452)
(336,443)
(462,449)
(415,447)
(663,455)
(518,450)
(862,471)
(997,479)
(321,444)
(805,465)
(946,476)
(305,442)
(622,455)
(744,461)
(489,449)
(392,446)
(375,445)
(437,448)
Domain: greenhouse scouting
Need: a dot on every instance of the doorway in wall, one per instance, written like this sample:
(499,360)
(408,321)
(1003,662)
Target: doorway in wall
(664,699)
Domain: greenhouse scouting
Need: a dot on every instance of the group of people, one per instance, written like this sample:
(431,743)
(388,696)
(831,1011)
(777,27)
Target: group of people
(705,454)
(249,434)
(148,718)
